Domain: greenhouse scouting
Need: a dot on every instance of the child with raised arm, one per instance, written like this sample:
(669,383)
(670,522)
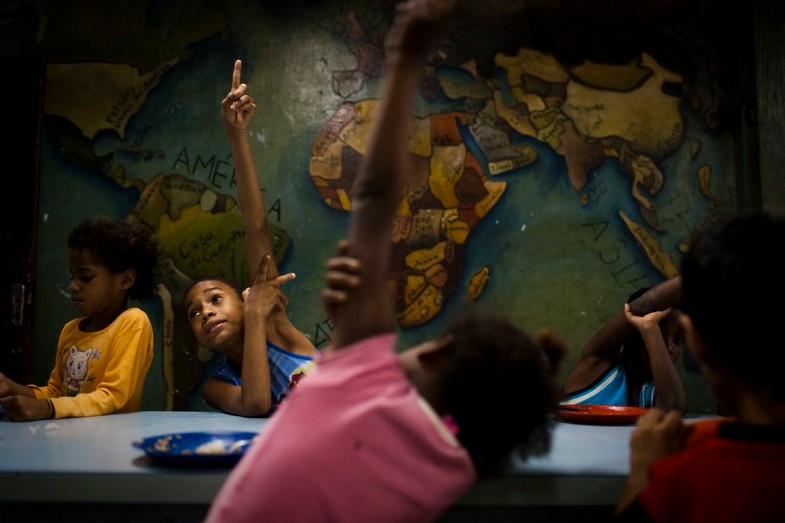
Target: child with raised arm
(631,360)
(265,355)
(399,437)
(103,356)
(724,469)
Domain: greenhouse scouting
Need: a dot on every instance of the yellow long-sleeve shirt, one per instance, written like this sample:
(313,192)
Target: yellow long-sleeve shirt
(100,372)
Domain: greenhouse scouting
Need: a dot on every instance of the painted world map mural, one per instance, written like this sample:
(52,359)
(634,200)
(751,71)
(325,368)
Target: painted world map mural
(543,188)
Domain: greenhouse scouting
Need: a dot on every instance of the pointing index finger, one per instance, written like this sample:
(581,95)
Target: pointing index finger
(238,65)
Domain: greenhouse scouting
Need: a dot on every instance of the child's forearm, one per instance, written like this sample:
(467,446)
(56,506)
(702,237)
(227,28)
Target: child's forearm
(251,201)
(256,390)
(9,387)
(660,297)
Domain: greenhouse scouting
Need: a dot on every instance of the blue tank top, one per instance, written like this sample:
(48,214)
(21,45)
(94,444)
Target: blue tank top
(286,369)
(611,389)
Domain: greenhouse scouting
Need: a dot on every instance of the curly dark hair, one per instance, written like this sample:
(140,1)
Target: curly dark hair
(121,245)
(501,388)
(732,288)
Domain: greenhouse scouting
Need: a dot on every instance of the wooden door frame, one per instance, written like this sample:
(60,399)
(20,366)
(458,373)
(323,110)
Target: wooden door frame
(21,99)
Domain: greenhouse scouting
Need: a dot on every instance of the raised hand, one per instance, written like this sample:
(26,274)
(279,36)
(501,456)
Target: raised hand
(650,320)
(343,275)
(418,23)
(265,294)
(237,108)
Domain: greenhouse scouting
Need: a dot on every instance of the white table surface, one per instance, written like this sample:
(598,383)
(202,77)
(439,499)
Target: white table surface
(92,460)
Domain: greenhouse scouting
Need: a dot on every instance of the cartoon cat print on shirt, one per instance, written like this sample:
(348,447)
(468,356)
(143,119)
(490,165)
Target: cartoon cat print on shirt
(76,370)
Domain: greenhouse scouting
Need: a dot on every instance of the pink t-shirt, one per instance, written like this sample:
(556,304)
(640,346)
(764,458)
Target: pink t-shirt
(353,443)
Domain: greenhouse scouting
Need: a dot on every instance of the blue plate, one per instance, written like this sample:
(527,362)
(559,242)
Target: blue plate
(196,449)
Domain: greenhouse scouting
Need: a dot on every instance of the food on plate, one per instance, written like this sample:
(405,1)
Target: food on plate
(211,447)
(162,444)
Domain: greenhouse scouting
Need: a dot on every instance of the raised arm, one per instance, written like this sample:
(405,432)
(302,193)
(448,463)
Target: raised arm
(670,389)
(663,295)
(379,187)
(646,314)
(237,111)
(602,349)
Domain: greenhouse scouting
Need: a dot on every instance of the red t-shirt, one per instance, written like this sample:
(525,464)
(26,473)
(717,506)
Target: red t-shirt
(728,472)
